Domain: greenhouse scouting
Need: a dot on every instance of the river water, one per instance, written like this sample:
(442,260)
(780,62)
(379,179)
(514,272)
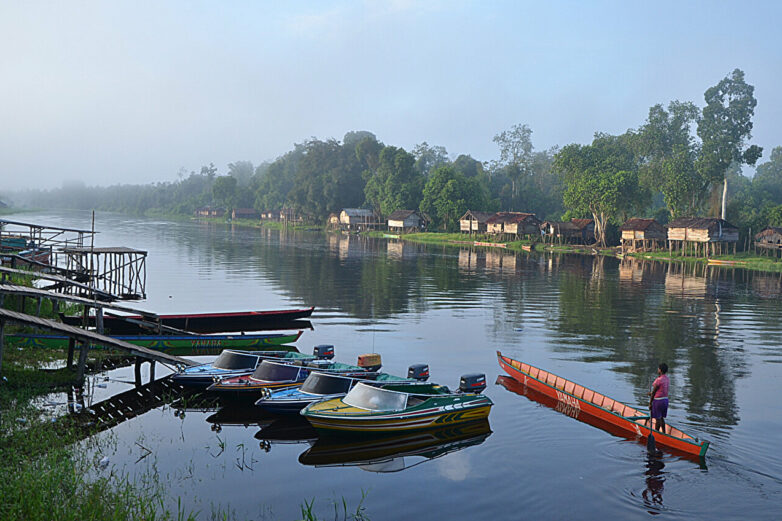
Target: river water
(601,322)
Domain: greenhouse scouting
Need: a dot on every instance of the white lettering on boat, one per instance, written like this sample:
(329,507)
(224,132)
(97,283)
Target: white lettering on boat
(567,404)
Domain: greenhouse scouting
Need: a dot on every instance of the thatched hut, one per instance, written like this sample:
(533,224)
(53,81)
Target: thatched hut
(702,236)
(357,219)
(642,235)
(514,223)
(573,231)
(769,240)
(406,220)
(474,222)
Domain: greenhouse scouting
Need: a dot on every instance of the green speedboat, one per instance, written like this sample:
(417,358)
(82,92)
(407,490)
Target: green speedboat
(175,344)
(401,407)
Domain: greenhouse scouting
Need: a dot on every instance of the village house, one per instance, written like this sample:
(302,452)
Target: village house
(290,215)
(702,236)
(332,221)
(357,219)
(209,211)
(769,240)
(516,224)
(406,220)
(474,222)
(245,213)
(569,232)
(270,215)
(642,235)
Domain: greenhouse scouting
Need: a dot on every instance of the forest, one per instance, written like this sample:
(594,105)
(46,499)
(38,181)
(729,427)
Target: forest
(681,161)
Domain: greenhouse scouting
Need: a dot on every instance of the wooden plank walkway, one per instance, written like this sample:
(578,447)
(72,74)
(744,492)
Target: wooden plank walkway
(59,279)
(89,337)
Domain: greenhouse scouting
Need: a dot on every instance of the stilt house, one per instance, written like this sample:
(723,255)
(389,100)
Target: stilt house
(409,220)
(514,223)
(474,222)
(702,236)
(769,240)
(642,235)
(357,219)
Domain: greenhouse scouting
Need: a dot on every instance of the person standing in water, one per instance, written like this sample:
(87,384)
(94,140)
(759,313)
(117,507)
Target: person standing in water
(658,397)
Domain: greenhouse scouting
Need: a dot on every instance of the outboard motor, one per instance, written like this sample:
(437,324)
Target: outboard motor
(472,383)
(370,362)
(418,372)
(323,351)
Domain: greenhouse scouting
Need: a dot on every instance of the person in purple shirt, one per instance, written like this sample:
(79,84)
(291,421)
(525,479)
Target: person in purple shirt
(658,397)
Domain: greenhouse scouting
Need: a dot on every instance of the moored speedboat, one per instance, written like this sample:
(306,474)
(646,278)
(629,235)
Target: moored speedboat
(232,363)
(320,386)
(273,375)
(400,407)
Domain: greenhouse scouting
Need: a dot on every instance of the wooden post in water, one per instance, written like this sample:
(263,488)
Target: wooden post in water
(84,347)
(71,347)
(99,319)
(2,334)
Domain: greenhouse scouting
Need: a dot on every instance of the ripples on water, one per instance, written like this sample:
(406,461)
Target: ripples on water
(601,322)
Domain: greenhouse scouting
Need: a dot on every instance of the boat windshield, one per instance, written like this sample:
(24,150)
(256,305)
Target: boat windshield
(234,360)
(319,383)
(375,399)
(271,372)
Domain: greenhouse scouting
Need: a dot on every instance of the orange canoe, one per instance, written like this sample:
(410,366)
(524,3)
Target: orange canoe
(629,422)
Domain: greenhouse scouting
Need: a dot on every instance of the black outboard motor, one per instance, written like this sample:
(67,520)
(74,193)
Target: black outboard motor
(323,351)
(418,372)
(472,383)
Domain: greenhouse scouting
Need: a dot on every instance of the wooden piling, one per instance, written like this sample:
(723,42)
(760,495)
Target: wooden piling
(82,360)
(2,335)
(71,347)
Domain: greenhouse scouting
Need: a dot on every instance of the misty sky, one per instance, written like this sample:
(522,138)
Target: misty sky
(130,92)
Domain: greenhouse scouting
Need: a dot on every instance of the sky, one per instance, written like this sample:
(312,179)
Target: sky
(135,91)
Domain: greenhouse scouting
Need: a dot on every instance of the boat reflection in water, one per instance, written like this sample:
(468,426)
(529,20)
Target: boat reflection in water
(239,415)
(389,453)
(286,429)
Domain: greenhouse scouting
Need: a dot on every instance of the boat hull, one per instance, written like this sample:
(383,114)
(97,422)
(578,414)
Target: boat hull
(174,345)
(439,413)
(611,412)
(202,322)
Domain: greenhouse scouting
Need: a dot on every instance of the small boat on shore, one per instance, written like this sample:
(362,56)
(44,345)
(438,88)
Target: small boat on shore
(630,422)
(231,363)
(197,322)
(400,407)
(173,344)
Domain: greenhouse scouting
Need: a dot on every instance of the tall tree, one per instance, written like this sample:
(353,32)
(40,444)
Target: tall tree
(515,153)
(449,193)
(427,157)
(725,127)
(395,184)
(242,171)
(600,178)
(224,190)
(666,153)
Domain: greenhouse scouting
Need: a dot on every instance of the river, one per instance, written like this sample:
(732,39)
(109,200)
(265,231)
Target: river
(599,321)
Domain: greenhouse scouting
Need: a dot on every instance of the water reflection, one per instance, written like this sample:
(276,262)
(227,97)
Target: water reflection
(396,452)
(655,484)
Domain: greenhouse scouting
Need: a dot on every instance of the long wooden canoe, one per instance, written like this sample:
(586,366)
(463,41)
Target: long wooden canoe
(578,399)
(199,322)
(173,344)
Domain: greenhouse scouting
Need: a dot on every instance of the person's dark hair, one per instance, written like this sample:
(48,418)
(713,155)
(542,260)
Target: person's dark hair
(664,367)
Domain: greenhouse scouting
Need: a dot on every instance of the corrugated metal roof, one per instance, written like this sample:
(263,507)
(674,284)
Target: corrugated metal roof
(699,223)
(358,212)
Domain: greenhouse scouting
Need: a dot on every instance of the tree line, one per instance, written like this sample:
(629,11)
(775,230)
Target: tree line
(681,161)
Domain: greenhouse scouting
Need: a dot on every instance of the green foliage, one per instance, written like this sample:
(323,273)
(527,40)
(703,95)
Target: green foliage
(448,194)
(428,158)
(395,184)
(224,191)
(725,126)
(600,178)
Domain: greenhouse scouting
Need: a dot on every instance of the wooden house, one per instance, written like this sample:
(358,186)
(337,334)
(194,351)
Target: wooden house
(245,213)
(474,222)
(290,215)
(357,219)
(270,215)
(642,235)
(514,223)
(769,240)
(572,231)
(210,211)
(332,221)
(702,235)
(406,220)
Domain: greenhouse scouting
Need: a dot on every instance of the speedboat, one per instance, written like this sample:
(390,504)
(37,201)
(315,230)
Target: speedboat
(232,363)
(400,407)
